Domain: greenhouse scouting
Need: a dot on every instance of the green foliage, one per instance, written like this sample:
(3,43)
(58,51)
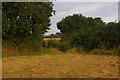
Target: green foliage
(25,23)
(64,46)
(89,38)
(72,25)
(51,43)
(111,35)
(91,33)
(57,35)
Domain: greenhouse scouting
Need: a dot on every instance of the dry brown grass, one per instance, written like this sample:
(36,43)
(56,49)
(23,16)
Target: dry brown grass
(8,51)
(57,39)
(61,66)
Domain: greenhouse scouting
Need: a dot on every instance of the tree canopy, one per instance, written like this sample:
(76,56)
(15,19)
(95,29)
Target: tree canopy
(25,22)
(89,32)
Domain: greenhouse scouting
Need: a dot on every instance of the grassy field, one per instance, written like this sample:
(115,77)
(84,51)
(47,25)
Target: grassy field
(61,66)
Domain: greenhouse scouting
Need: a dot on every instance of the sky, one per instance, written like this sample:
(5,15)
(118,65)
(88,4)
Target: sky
(108,11)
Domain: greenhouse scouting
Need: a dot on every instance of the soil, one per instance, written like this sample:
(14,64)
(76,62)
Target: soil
(61,66)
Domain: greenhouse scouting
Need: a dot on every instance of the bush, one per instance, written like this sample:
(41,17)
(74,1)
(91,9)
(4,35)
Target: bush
(91,33)
(80,49)
(64,46)
(44,44)
(88,39)
(51,43)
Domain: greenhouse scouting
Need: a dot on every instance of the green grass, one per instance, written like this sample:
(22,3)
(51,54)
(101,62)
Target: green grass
(42,52)
(34,53)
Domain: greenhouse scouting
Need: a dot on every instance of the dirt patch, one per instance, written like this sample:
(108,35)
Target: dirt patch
(61,66)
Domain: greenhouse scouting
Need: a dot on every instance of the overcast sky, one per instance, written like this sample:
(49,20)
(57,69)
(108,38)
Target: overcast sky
(108,11)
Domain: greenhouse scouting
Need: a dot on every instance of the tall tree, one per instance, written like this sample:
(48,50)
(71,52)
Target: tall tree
(89,32)
(25,22)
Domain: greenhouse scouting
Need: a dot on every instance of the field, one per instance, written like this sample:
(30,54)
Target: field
(56,64)
(61,66)
(38,42)
(56,39)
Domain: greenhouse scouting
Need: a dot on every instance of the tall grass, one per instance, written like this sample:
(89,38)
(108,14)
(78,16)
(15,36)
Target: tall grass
(10,51)
(53,47)
(7,52)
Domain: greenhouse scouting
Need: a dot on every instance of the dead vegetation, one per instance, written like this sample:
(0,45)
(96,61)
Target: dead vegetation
(61,66)
(46,39)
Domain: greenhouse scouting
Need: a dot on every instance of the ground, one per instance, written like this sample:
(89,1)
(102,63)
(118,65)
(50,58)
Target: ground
(61,66)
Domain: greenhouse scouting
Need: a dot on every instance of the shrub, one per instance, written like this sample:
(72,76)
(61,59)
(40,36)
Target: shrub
(44,44)
(63,46)
(88,39)
(91,33)
(51,43)
(80,49)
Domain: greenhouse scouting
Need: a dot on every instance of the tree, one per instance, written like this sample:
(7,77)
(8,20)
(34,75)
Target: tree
(112,35)
(25,22)
(89,32)
(72,25)
(58,35)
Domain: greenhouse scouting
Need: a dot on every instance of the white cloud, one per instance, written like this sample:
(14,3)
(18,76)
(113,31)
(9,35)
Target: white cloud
(110,19)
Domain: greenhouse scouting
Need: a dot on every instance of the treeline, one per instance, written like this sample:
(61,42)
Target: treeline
(88,32)
(24,23)
(57,35)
